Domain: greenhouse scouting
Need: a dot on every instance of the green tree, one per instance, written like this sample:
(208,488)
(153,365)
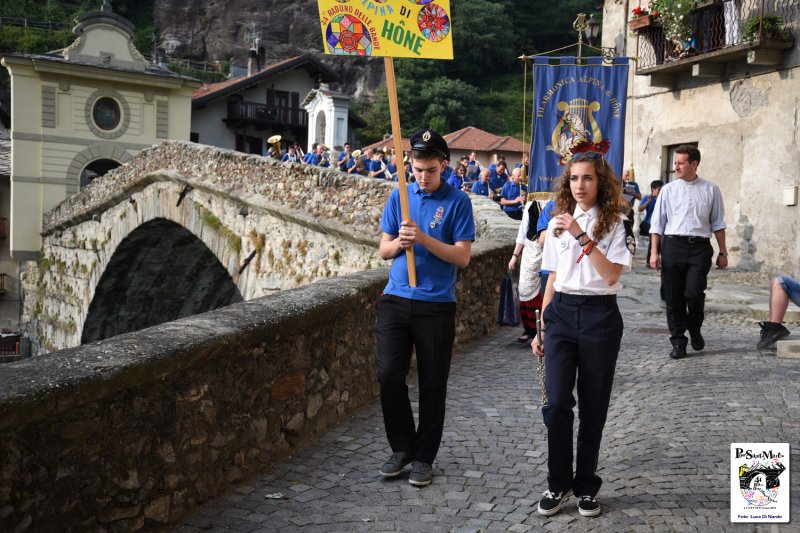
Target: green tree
(448,105)
(376,115)
(543,25)
(483,43)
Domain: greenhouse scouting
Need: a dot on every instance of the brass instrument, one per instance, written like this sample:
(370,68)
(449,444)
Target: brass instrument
(275,148)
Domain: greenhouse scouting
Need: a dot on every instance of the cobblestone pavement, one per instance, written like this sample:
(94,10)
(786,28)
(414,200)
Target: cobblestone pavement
(664,458)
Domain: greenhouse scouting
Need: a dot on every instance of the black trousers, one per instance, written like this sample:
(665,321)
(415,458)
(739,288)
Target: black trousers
(428,327)
(582,344)
(685,264)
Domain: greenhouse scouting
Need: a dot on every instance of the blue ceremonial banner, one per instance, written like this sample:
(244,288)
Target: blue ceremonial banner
(578,108)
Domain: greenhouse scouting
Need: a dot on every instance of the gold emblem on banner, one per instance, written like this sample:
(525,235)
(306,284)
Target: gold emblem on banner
(573,127)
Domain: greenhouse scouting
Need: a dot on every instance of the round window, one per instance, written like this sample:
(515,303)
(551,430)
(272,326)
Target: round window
(106,113)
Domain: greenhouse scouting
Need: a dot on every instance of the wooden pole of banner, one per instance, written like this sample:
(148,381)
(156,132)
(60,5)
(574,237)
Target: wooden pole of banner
(394,113)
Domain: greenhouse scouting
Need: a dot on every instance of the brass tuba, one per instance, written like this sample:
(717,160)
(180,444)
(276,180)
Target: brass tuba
(275,149)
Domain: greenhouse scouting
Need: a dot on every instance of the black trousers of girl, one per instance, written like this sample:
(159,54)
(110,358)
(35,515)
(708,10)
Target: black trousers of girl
(583,341)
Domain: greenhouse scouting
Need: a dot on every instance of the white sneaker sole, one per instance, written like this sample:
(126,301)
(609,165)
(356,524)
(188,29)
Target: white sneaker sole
(589,513)
(554,510)
(419,483)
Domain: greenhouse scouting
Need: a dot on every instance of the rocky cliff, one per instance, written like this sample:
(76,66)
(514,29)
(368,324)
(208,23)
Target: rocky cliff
(221,30)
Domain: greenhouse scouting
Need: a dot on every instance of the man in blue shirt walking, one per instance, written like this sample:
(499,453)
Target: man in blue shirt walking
(440,231)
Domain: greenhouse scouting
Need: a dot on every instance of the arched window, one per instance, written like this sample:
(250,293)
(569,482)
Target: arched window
(95,169)
(319,133)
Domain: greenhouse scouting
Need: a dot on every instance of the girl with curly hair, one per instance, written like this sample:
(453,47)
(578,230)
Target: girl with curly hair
(585,252)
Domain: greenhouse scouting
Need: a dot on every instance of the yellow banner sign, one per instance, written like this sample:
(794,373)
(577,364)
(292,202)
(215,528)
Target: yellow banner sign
(394,28)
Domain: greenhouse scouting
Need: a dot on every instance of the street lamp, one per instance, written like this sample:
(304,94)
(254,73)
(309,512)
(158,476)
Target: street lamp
(592,29)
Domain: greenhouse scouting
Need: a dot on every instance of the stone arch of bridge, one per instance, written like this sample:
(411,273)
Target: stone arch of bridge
(160,272)
(167,256)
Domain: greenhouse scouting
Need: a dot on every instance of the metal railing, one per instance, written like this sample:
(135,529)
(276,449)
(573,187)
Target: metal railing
(267,114)
(41,24)
(716,25)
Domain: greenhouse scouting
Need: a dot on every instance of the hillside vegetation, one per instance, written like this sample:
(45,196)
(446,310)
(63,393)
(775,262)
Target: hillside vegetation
(482,86)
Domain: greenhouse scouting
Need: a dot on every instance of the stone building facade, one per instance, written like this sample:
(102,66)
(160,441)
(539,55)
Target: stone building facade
(78,112)
(734,95)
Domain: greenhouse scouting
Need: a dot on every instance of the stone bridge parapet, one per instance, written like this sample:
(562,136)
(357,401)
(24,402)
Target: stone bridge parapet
(135,431)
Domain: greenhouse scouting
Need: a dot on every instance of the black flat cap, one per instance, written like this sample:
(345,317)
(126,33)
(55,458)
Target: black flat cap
(431,142)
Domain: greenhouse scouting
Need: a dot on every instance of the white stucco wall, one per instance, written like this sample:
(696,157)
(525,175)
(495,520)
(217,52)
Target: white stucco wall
(208,123)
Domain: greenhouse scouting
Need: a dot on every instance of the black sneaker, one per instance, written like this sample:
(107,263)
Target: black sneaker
(551,502)
(771,332)
(678,352)
(697,341)
(421,474)
(395,464)
(588,506)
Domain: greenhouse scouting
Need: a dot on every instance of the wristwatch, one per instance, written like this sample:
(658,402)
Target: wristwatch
(723,254)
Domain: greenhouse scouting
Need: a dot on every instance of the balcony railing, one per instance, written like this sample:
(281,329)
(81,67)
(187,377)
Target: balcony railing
(722,29)
(241,112)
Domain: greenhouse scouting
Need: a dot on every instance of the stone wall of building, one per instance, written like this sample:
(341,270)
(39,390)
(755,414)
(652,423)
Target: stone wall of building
(730,115)
(134,431)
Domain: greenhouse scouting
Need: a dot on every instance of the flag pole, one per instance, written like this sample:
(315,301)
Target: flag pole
(394,112)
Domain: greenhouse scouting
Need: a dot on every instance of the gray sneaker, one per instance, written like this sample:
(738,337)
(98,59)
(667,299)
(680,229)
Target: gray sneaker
(421,474)
(395,464)
(771,332)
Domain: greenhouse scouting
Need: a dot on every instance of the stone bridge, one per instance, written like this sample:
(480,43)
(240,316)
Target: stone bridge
(184,228)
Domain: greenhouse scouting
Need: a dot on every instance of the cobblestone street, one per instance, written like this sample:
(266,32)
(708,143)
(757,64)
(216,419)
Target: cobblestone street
(664,458)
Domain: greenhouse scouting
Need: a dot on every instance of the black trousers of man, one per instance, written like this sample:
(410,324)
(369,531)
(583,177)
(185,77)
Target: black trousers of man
(685,263)
(582,343)
(429,327)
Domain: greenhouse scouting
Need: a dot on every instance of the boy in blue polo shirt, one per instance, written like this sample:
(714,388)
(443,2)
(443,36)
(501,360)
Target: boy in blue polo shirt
(512,197)
(441,231)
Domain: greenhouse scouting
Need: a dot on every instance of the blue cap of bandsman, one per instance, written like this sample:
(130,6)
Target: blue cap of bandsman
(430,142)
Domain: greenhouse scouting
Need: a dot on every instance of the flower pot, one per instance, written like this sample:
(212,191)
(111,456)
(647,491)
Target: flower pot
(641,22)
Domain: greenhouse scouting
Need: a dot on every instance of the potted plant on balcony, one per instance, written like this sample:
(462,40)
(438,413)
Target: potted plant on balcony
(772,28)
(676,19)
(641,18)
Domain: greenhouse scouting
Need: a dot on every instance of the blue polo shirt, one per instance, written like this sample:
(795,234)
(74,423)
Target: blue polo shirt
(342,161)
(376,166)
(511,191)
(447,172)
(480,188)
(497,181)
(446,215)
(544,220)
(455,181)
(648,209)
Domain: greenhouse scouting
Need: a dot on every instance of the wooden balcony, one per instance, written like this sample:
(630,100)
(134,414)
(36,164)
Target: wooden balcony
(262,116)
